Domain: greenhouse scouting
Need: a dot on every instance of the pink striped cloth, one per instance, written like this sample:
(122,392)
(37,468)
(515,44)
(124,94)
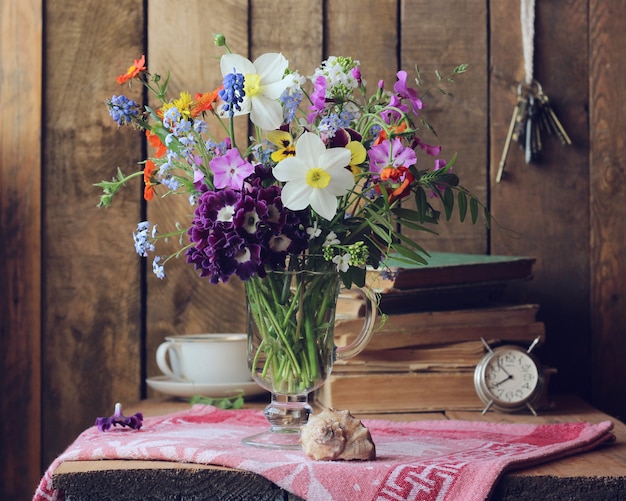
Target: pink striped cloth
(421,460)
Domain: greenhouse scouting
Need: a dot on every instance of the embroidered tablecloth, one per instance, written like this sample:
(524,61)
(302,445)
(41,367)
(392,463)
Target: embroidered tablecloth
(420,460)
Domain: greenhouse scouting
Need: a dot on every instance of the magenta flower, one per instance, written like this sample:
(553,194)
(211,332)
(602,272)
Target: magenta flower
(318,98)
(406,92)
(230,170)
(356,73)
(428,148)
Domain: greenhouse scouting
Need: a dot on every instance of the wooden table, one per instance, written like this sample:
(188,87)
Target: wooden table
(596,475)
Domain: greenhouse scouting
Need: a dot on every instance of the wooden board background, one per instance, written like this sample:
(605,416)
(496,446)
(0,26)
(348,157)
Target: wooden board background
(82,315)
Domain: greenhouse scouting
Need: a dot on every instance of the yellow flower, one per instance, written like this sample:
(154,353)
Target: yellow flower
(284,141)
(358,156)
(183,104)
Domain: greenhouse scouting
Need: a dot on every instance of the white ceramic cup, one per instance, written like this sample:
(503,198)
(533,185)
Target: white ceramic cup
(205,358)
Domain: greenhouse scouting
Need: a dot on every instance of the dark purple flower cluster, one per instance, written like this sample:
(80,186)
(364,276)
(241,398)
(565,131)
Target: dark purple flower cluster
(134,422)
(244,232)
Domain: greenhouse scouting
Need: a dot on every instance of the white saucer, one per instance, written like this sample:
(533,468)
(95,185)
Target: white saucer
(218,390)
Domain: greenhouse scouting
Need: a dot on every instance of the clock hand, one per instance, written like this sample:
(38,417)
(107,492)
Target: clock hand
(502,367)
(494,385)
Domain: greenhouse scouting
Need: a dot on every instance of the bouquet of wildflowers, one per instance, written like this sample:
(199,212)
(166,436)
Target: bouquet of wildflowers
(330,169)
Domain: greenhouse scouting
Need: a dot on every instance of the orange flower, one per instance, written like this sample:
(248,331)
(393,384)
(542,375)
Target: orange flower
(204,102)
(148,170)
(394,175)
(133,71)
(155,142)
(404,189)
(396,129)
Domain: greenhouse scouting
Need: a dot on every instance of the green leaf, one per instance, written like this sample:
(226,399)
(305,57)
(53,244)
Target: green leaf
(462,202)
(448,202)
(418,227)
(406,214)
(474,209)
(384,235)
(421,203)
(414,257)
(234,402)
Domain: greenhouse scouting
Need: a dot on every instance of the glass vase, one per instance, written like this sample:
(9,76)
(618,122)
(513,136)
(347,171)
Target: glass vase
(291,349)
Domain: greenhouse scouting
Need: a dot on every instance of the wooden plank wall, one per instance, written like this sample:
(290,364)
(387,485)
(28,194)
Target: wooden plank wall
(20,246)
(546,202)
(607,199)
(79,300)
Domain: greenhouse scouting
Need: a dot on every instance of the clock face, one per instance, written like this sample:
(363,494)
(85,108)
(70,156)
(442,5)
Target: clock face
(510,376)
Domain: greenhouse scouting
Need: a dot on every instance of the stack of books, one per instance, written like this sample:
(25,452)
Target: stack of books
(422,358)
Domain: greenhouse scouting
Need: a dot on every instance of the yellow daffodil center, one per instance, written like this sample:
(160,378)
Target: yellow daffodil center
(317,178)
(252,84)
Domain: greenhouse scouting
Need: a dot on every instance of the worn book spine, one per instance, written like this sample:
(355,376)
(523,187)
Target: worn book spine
(444,269)
(362,393)
(435,328)
(445,356)
(406,392)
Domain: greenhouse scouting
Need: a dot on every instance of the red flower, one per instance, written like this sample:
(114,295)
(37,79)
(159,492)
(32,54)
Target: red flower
(204,102)
(133,71)
(155,142)
(148,170)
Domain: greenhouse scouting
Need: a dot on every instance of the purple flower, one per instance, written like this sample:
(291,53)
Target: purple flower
(394,155)
(134,422)
(406,92)
(318,98)
(429,149)
(241,233)
(230,170)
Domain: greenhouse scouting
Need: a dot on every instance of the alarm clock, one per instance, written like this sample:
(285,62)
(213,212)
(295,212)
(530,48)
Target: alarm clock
(509,378)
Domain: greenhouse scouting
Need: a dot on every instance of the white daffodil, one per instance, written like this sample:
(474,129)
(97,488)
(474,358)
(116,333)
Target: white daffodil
(264,82)
(315,176)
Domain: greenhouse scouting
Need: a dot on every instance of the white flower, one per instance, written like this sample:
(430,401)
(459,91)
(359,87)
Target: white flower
(315,176)
(313,231)
(342,262)
(264,82)
(331,239)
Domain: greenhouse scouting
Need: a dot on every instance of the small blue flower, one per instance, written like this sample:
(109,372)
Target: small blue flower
(134,422)
(170,117)
(290,101)
(122,109)
(142,243)
(329,125)
(233,92)
(200,126)
(171,182)
(157,268)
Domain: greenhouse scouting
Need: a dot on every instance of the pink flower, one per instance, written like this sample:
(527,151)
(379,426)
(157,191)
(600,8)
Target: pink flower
(230,170)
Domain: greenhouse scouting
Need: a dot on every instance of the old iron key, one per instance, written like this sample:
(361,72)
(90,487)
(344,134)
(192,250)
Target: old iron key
(554,125)
(519,109)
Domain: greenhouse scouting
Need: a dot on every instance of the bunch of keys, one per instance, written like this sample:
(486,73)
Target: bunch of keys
(532,115)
